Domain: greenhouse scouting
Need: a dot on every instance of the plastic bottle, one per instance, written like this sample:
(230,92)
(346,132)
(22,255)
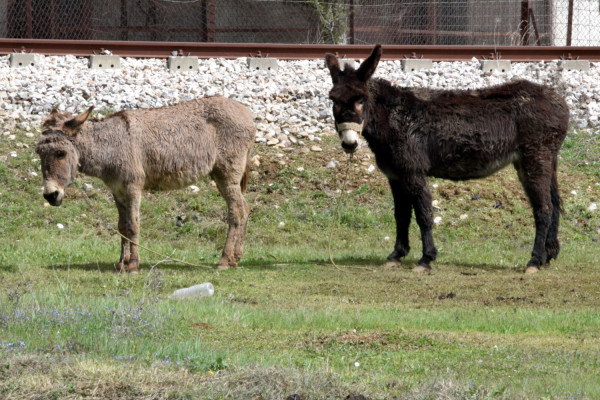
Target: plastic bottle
(203,290)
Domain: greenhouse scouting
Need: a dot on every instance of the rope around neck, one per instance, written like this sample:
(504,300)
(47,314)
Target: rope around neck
(335,218)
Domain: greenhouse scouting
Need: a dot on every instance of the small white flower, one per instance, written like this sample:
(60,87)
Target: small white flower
(13,153)
(357,364)
(60,226)
(437,220)
(386,238)
(573,191)
(593,207)
(371,168)
(281,224)
(435,185)
(464,216)
(32,173)
(300,169)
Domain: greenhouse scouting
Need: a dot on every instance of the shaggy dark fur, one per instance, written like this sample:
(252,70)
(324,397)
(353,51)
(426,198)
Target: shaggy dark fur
(458,135)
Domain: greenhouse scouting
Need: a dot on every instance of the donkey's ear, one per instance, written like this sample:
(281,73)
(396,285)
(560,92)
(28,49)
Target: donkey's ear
(78,120)
(334,66)
(367,68)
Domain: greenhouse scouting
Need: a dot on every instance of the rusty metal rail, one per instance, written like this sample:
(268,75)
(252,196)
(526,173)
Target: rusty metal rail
(85,48)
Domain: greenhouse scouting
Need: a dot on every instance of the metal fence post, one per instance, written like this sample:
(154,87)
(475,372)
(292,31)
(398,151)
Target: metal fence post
(29,17)
(570,23)
(211,21)
(351,21)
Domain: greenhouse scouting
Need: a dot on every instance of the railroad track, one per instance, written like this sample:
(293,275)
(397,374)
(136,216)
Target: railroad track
(295,51)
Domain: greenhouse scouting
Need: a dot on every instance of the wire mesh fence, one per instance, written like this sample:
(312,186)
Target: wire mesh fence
(403,22)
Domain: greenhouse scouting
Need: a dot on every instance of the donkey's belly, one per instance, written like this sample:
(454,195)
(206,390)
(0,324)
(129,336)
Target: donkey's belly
(472,168)
(172,181)
(178,168)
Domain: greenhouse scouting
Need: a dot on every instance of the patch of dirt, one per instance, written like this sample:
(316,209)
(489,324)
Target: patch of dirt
(352,338)
(352,396)
(355,338)
(450,295)
(201,326)
(524,299)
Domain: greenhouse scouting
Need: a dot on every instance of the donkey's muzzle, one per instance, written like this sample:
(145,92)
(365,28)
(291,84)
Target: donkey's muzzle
(350,140)
(349,147)
(54,198)
(349,133)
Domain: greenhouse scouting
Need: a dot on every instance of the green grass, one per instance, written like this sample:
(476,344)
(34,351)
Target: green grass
(288,321)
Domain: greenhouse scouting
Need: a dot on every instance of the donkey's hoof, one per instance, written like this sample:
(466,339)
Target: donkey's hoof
(421,269)
(393,263)
(223,266)
(532,270)
(132,266)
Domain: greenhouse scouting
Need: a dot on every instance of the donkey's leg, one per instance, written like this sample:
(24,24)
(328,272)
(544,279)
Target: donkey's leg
(130,227)
(239,245)
(421,199)
(135,198)
(552,243)
(122,226)
(536,175)
(402,214)
(237,217)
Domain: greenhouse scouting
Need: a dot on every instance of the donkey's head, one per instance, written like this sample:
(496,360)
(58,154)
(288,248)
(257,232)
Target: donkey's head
(58,155)
(349,95)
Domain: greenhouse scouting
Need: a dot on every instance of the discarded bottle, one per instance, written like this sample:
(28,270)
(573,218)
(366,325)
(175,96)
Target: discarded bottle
(203,290)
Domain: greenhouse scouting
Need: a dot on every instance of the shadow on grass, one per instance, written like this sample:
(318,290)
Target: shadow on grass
(480,267)
(273,263)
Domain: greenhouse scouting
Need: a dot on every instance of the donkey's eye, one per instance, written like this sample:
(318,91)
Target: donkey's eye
(61,154)
(359,104)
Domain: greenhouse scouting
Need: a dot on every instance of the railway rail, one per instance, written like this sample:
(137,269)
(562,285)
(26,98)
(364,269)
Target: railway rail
(138,49)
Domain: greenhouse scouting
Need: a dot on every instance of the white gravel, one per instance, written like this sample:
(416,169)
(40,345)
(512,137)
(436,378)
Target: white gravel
(291,105)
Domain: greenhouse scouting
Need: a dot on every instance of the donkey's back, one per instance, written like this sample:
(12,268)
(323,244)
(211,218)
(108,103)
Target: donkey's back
(177,145)
(466,134)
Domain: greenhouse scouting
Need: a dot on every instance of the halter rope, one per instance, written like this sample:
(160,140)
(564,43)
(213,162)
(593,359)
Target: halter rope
(353,126)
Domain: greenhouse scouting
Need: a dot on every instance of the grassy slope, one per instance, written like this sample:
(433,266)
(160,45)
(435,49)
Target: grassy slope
(288,321)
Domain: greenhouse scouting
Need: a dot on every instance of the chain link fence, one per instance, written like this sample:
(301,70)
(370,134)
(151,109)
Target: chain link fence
(402,22)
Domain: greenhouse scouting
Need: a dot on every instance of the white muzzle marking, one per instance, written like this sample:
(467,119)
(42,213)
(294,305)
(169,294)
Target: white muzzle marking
(51,187)
(349,137)
(350,132)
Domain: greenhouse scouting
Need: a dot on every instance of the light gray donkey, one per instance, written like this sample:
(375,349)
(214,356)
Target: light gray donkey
(156,149)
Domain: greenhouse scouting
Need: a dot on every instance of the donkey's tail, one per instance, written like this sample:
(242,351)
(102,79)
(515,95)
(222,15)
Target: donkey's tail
(557,202)
(245,177)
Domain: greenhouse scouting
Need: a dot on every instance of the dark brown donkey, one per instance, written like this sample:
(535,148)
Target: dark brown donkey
(157,149)
(458,135)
